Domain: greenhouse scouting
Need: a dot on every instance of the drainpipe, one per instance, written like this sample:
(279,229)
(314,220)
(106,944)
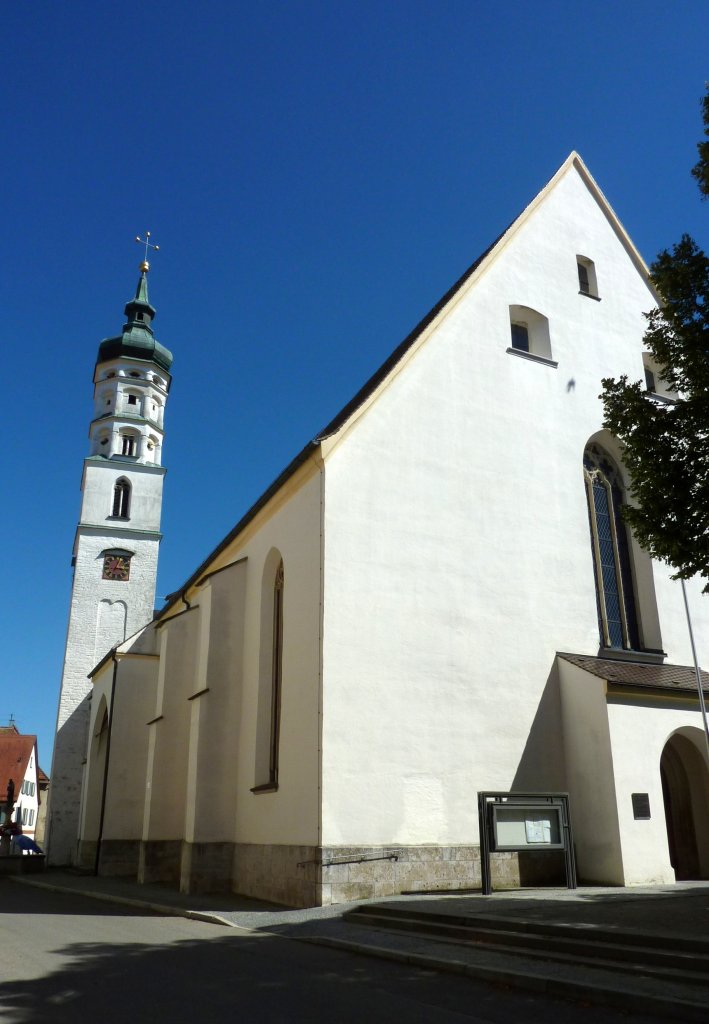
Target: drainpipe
(697,672)
(105,767)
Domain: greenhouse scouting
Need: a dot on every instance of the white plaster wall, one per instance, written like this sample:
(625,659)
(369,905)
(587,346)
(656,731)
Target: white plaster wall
(82,654)
(125,793)
(638,734)
(457,551)
(289,815)
(168,744)
(136,684)
(590,758)
(146,494)
(213,784)
(201,754)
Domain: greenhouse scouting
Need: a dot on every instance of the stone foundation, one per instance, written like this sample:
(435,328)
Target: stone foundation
(282,874)
(120,858)
(160,861)
(309,876)
(302,876)
(206,867)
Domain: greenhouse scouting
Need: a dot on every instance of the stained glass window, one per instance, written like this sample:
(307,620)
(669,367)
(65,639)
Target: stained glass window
(617,618)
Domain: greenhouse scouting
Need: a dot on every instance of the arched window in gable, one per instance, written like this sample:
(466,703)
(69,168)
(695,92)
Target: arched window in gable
(121,499)
(617,618)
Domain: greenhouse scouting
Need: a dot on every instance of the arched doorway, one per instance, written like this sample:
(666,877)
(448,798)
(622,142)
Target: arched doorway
(685,789)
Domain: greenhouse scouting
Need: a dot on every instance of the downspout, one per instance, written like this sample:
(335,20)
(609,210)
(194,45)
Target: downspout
(105,767)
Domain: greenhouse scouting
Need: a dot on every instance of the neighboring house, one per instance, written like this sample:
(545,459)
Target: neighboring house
(18,761)
(436,598)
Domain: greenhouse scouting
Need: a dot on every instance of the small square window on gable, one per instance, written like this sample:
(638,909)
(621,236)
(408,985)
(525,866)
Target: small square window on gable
(588,285)
(529,334)
(655,383)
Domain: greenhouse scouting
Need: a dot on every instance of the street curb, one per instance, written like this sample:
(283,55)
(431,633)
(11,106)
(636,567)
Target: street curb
(156,908)
(583,991)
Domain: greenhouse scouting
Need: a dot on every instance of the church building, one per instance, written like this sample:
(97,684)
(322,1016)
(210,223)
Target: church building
(436,599)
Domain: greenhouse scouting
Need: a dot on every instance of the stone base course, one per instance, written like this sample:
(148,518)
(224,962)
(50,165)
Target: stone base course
(310,876)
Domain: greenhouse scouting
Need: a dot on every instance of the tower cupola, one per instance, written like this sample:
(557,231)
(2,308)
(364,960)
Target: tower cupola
(136,339)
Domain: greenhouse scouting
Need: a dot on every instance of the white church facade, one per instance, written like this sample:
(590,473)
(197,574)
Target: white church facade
(436,598)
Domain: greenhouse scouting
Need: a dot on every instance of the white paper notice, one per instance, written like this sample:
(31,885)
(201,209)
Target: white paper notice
(538,831)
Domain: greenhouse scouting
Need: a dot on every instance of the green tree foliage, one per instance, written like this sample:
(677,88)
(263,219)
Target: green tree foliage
(701,168)
(666,445)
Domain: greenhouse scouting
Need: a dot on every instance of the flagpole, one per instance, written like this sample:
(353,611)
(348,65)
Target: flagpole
(697,671)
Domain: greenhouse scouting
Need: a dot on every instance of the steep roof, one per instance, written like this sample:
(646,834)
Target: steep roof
(418,336)
(15,751)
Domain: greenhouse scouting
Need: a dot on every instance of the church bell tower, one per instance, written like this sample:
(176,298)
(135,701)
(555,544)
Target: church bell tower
(116,546)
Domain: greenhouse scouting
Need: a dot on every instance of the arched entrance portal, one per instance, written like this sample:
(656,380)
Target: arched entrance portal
(685,788)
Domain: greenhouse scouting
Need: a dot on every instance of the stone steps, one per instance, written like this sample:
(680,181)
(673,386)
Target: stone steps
(686,961)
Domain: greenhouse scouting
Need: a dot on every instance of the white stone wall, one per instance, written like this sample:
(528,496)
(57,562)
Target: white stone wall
(639,731)
(146,495)
(457,550)
(590,756)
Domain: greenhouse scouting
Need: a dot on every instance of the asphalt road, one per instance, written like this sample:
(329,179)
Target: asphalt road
(71,959)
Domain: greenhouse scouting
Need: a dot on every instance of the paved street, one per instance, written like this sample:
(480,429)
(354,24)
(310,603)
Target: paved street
(68,958)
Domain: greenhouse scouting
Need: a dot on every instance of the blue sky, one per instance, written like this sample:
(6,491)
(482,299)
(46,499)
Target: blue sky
(316,175)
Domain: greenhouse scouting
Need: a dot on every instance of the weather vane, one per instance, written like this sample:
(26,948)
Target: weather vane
(145,266)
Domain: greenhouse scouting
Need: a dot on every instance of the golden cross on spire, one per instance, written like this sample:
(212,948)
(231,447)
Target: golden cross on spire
(145,266)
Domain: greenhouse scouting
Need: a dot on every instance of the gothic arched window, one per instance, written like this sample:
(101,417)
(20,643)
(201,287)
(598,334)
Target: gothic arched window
(617,620)
(121,499)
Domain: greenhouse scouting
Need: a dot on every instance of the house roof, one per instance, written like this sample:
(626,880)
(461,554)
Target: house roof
(15,753)
(388,367)
(647,676)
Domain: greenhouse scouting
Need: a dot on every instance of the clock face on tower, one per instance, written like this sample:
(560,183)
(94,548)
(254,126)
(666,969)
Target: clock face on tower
(116,567)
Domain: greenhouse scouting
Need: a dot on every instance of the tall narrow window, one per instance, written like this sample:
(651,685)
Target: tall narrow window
(615,600)
(121,499)
(276,673)
(268,714)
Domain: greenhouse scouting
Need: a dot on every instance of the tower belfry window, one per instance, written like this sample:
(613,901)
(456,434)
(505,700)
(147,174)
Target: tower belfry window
(121,499)
(128,444)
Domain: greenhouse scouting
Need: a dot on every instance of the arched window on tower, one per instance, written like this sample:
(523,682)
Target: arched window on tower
(615,600)
(121,499)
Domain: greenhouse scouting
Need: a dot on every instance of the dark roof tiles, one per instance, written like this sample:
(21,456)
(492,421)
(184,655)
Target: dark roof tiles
(636,673)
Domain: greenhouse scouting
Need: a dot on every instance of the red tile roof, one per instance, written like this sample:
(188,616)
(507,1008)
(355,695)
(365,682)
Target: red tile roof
(15,753)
